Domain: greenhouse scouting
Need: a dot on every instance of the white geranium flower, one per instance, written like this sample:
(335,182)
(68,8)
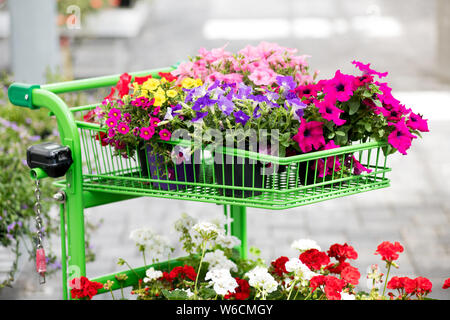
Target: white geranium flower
(157,245)
(304,245)
(347,296)
(222,281)
(204,231)
(218,260)
(227,241)
(152,274)
(262,280)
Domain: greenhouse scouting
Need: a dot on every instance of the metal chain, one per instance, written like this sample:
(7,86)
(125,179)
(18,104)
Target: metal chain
(38,218)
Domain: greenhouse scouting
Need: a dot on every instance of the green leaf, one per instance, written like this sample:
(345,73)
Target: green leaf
(340,133)
(176,294)
(353,106)
(207,293)
(368,126)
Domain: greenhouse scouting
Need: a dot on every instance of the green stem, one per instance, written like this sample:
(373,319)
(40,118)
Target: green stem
(199,268)
(290,291)
(112,295)
(387,277)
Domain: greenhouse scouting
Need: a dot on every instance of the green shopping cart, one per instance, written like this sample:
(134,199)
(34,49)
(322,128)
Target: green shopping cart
(97,177)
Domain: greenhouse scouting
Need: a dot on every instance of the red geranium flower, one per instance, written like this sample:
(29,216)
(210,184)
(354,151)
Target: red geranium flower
(279,265)
(314,259)
(183,272)
(242,292)
(83,288)
(446,284)
(331,286)
(123,86)
(341,252)
(351,275)
(389,251)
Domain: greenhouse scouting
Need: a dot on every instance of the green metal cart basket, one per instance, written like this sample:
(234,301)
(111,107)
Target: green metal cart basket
(96,177)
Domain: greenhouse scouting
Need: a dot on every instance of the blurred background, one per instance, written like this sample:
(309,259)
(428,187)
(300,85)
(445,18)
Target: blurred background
(48,40)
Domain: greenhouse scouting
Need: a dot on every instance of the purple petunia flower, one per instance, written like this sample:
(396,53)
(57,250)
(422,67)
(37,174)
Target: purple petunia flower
(199,116)
(241,117)
(286,82)
(225,105)
(203,102)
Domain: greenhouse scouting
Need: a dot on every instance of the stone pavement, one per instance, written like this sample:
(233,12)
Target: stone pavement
(415,210)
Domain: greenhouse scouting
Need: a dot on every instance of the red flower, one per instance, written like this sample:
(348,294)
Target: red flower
(342,252)
(332,286)
(168,76)
(83,288)
(242,292)
(337,267)
(389,251)
(141,80)
(423,286)
(123,86)
(446,284)
(183,272)
(279,265)
(351,275)
(314,259)
(102,137)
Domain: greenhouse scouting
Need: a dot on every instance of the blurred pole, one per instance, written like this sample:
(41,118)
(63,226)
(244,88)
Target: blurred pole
(443,41)
(34,39)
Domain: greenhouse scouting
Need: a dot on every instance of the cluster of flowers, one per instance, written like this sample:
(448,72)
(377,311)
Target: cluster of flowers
(212,271)
(135,118)
(264,87)
(254,65)
(351,108)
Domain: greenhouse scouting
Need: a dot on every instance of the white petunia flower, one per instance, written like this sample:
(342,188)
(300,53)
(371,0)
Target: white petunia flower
(304,245)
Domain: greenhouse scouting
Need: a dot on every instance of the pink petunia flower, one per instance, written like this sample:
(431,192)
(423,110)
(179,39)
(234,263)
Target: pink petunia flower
(261,77)
(400,138)
(309,135)
(154,122)
(329,111)
(341,86)
(365,68)
(416,122)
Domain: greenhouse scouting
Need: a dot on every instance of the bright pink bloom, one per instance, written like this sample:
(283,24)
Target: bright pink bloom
(416,122)
(165,134)
(400,138)
(310,135)
(123,128)
(147,133)
(154,122)
(365,68)
(329,111)
(261,77)
(331,162)
(115,113)
(341,86)
(111,122)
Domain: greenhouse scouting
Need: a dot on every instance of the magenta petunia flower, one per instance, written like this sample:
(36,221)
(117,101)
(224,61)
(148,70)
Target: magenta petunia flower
(416,122)
(400,138)
(331,162)
(156,110)
(111,122)
(136,131)
(362,80)
(358,168)
(365,68)
(115,113)
(329,111)
(306,92)
(147,133)
(165,134)
(309,135)
(341,86)
(123,128)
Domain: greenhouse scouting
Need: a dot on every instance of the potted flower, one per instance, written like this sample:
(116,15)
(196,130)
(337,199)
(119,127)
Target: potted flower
(140,115)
